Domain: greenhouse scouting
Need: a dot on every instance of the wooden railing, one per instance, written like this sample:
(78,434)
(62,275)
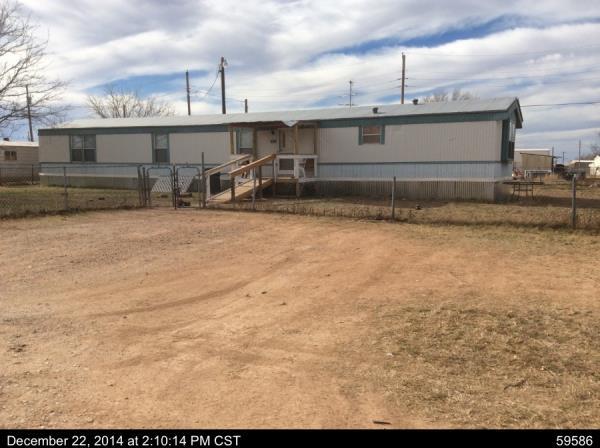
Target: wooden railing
(252,167)
(218,169)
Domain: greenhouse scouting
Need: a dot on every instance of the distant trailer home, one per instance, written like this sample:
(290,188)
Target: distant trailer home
(446,150)
(18,161)
(534,161)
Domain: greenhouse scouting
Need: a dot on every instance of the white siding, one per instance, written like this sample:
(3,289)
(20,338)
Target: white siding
(188,147)
(25,154)
(54,148)
(430,142)
(124,148)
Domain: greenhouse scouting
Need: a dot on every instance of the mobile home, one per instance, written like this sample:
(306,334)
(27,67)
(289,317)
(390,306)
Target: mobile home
(446,150)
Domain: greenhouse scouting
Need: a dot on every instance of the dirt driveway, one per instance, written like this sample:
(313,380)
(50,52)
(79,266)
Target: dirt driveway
(232,319)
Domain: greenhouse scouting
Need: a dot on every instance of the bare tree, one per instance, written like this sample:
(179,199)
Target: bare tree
(119,103)
(456,95)
(594,149)
(22,66)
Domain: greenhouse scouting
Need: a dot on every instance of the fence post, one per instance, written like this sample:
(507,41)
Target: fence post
(203,181)
(394,199)
(254,189)
(174,186)
(574,201)
(139,186)
(274,178)
(32,174)
(148,188)
(65,193)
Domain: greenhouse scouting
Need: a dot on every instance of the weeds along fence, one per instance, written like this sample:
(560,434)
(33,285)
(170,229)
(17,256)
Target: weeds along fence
(52,188)
(19,174)
(38,189)
(550,207)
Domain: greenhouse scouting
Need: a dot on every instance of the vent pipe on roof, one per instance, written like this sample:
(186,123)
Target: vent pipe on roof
(416,101)
(375,110)
(6,139)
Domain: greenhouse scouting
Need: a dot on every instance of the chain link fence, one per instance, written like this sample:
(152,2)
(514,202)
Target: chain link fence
(19,174)
(551,207)
(53,188)
(38,189)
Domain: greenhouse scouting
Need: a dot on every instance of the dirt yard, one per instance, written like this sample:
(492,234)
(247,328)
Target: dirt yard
(234,319)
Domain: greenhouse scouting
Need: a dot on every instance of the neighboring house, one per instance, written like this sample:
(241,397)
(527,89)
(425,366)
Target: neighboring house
(533,160)
(18,161)
(582,167)
(595,167)
(18,153)
(446,150)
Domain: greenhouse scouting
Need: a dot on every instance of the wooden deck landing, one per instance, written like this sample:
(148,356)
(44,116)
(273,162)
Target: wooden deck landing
(242,191)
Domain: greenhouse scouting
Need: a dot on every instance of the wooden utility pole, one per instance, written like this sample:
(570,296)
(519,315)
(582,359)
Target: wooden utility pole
(29,113)
(579,153)
(222,65)
(574,201)
(350,93)
(246,105)
(403,77)
(187,91)
(124,111)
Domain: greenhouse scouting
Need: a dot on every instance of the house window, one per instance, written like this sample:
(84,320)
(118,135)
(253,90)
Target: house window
(10,155)
(371,135)
(160,152)
(245,144)
(83,148)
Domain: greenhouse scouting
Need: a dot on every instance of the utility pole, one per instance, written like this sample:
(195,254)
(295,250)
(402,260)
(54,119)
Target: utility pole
(29,112)
(563,158)
(403,77)
(552,160)
(350,93)
(246,105)
(222,66)
(124,111)
(579,153)
(187,91)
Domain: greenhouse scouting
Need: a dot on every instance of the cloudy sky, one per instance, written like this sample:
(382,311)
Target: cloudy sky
(301,54)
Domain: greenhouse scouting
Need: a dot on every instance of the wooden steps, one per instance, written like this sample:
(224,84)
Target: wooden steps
(242,191)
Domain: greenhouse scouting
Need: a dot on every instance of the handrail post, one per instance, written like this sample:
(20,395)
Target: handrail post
(260,194)
(202,180)
(254,189)
(274,175)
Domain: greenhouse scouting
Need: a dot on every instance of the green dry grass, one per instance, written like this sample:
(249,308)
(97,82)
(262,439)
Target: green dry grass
(500,366)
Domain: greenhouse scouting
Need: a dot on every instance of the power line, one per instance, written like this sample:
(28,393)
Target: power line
(212,85)
(581,103)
